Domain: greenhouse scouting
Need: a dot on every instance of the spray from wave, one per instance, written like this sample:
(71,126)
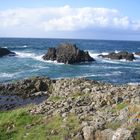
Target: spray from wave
(35,57)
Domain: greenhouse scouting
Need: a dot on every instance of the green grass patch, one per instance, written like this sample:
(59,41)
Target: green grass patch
(137,133)
(55,98)
(121,106)
(79,94)
(113,125)
(57,129)
(18,124)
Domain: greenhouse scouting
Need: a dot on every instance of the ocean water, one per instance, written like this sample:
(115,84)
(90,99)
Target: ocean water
(29,62)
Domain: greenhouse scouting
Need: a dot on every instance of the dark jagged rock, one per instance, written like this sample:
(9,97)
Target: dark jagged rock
(26,88)
(51,54)
(137,53)
(5,51)
(68,54)
(119,56)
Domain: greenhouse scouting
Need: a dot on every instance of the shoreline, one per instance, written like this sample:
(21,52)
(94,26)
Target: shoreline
(86,109)
(30,90)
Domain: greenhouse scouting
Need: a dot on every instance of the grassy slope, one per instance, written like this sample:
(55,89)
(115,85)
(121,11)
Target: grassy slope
(20,125)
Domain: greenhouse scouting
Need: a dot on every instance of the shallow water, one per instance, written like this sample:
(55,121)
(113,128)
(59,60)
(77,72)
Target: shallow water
(8,102)
(29,62)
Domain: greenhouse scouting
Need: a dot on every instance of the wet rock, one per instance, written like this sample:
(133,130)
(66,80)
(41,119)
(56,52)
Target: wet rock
(27,88)
(137,53)
(119,56)
(5,51)
(68,54)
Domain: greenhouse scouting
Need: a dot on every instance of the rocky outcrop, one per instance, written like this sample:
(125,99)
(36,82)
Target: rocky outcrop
(105,111)
(5,51)
(137,53)
(68,54)
(119,56)
(96,110)
(31,87)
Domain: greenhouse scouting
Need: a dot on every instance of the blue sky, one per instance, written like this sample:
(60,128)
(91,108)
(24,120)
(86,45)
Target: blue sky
(93,19)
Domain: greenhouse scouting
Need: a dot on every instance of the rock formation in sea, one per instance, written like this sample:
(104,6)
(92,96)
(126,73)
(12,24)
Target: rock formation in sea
(5,51)
(68,54)
(119,56)
(137,53)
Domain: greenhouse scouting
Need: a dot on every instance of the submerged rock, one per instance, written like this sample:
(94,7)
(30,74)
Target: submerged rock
(5,51)
(68,54)
(119,56)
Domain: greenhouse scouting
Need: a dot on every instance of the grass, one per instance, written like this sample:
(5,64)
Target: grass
(119,107)
(114,125)
(79,94)
(61,129)
(55,98)
(14,125)
(20,125)
(137,130)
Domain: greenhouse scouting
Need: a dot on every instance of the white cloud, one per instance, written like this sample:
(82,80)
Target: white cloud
(65,18)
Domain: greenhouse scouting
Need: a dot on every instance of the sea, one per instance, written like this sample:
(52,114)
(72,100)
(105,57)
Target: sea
(29,63)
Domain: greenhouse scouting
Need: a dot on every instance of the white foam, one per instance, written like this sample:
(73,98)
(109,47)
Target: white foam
(29,55)
(134,84)
(7,75)
(137,56)
(116,51)
(108,60)
(96,55)
(5,47)
(25,55)
(40,67)
(115,73)
(111,61)
(24,46)
(54,62)
(35,57)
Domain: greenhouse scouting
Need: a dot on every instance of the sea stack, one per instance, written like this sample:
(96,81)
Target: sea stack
(119,56)
(5,51)
(68,54)
(137,53)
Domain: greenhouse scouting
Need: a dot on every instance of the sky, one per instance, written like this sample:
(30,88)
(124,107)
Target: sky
(85,19)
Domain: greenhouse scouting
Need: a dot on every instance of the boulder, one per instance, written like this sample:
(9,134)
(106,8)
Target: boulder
(67,54)
(119,56)
(88,133)
(5,51)
(123,134)
(104,135)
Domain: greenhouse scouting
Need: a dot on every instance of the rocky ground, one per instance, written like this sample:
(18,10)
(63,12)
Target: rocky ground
(81,109)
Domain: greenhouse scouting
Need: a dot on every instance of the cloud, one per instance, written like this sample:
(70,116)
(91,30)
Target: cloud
(66,18)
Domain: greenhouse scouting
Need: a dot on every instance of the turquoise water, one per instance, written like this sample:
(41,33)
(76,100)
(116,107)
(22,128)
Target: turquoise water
(29,62)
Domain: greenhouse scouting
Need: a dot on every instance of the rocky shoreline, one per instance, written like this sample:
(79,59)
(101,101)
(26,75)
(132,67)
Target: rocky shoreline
(103,111)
